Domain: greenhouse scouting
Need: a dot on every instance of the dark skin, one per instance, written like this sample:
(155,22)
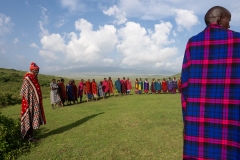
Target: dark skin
(35,72)
(219,15)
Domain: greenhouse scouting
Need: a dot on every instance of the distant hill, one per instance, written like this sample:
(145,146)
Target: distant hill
(106,71)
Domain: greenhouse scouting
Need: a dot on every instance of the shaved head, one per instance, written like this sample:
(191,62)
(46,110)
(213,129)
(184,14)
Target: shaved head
(216,14)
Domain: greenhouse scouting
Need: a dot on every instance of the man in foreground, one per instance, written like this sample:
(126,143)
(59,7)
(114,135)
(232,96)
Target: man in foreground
(32,113)
(211,90)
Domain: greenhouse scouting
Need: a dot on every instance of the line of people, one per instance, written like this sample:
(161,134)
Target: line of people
(60,94)
(71,93)
(158,86)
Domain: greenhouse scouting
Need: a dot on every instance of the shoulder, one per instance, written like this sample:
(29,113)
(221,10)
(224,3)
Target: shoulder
(235,34)
(196,38)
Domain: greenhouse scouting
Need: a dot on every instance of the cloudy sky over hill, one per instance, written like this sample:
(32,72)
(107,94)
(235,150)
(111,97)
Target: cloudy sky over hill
(63,34)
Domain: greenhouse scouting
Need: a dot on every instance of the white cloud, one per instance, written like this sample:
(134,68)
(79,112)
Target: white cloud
(152,10)
(88,47)
(43,22)
(73,5)
(140,47)
(174,34)
(6,24)
(33,45)
(135,46)
(15,41)
(53,43)
(108,61)
(61,22)
(148,10)
(119,15)
(185,19)
(48,56)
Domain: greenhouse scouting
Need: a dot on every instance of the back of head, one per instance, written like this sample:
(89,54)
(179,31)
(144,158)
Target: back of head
(214,14)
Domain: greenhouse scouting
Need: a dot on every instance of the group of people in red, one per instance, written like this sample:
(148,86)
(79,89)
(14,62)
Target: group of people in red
(93,90)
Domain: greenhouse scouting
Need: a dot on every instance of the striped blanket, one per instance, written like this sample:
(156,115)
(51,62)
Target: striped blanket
(32,113)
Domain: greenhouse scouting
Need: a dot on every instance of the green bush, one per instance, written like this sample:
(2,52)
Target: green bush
(11,143)
(13,77)
(8,99)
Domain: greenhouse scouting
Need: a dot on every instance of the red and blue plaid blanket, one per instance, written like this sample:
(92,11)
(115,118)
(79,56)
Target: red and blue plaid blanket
(211,95)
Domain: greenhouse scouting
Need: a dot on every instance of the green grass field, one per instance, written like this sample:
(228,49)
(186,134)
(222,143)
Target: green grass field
(122,127)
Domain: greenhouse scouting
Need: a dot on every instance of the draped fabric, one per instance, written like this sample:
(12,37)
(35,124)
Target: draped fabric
(70,92)
(153,87)
(80,88)
(123,86)
(110,85)
(75,92)
(146,86)
(100,91)
(211,95)
(62,92)
(88,88)
(140,85)
(54,93)
(158,86)
(179,85)
(94,88)
(164,86)
(169,85)
(32,112)
(128,84)
(105,86)
(136,86)
(174,82)
(118,85)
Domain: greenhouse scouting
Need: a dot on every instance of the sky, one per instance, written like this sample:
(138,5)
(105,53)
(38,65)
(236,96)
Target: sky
(65,34)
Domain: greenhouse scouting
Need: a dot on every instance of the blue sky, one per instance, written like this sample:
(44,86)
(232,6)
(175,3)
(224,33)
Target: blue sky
(63,34)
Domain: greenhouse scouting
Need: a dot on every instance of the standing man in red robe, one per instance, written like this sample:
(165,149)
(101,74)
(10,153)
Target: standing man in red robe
(105,86)
(88,89)
(124,86)
(94,89)
(75,91)
(31,104)
(80,89)
(128,85)
(111,87)
(164,86)
(63,93)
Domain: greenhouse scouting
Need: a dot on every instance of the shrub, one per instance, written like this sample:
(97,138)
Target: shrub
(8,99)
(13,77)
(11,143)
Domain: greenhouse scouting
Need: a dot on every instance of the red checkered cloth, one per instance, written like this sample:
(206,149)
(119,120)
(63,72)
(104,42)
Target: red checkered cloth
(32,112)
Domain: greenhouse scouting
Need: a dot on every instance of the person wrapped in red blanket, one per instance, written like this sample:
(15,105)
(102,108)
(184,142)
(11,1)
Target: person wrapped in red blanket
(32,112)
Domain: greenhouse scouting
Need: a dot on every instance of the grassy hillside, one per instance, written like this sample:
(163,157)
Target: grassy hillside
(11,82)
(125,127)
